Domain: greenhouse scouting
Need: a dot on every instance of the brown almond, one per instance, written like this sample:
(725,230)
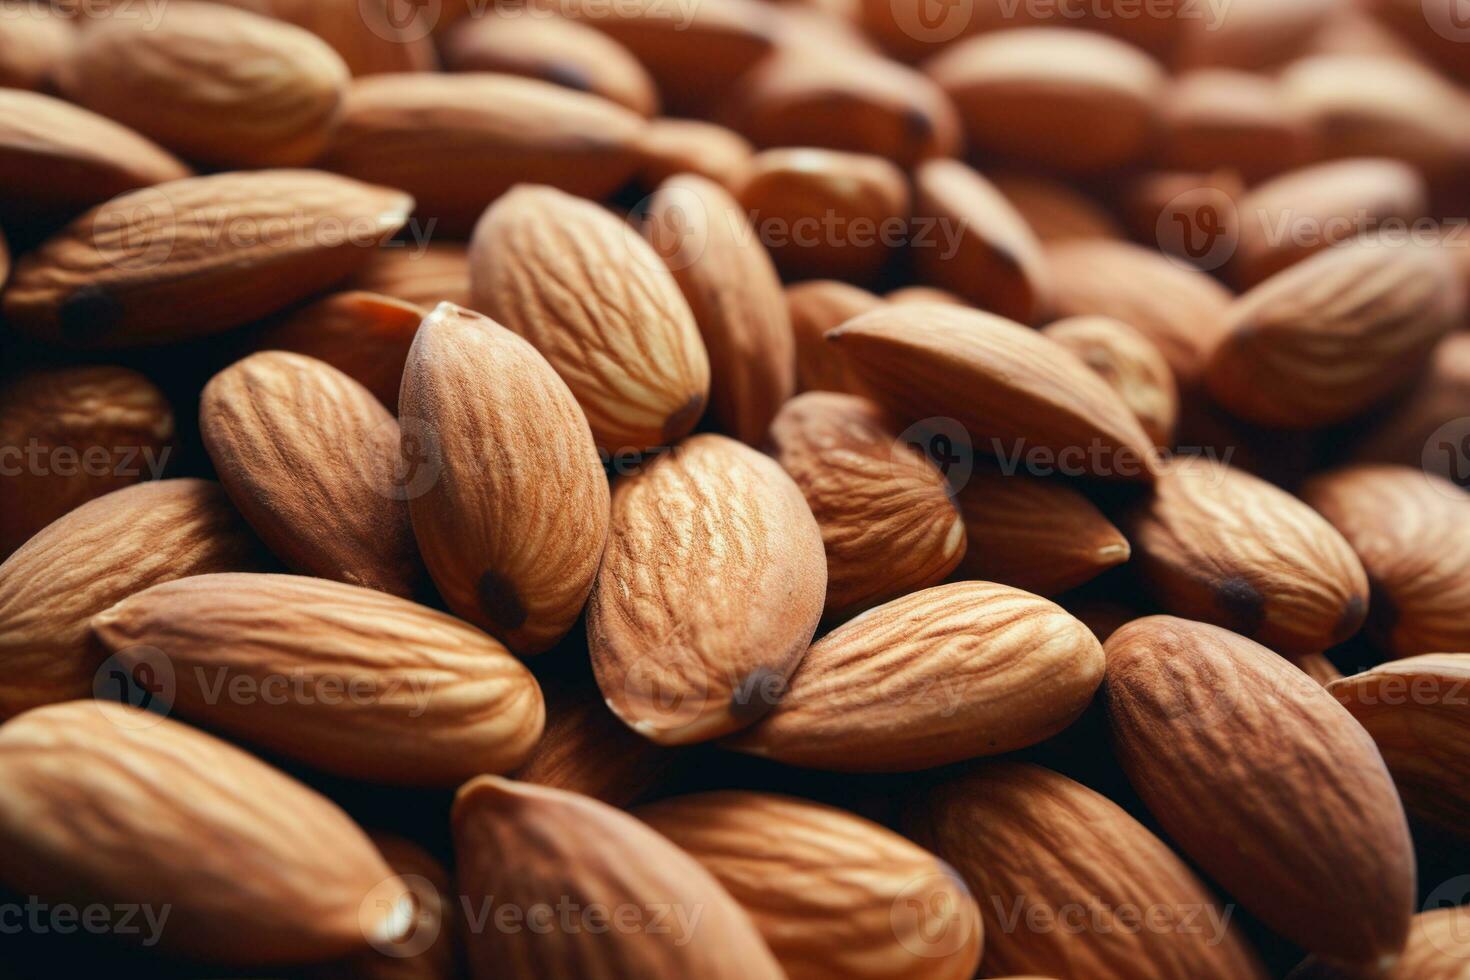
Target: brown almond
(1437,950)
(372,36)
(1403,431)
(1130,363)
(1190,217)
(670,146)
(816,307)
(1218,118)
(1429,26)
(1254,34)
(425,274)
(34,39)
(925,294)
(1053,210)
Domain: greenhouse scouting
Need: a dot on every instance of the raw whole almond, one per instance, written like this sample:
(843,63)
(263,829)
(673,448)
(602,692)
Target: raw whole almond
(1054,211)
(1255,34)
(1129,362)
(909,32)
(170,822)
(1037,848)
(372,36)
(1218,544)
(949,673)
(310,458)
(426,275)
(1190,217)
(1221,118)
(816,307)
(1437,950)
(1013,391)
(728,279)
(1404,431)
(925,294)
(887,521)
(1412,532)
(835,896)
(512,521)
(70,434)
(93,557)
(597,301)
(197,256)
(709,592)
(517,846)
(1241,757)
(34,39)
(428,701)
(675,146)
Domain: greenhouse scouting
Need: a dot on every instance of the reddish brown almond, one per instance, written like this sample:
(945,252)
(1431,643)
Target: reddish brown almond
(1220,118)
(728,279)
(515,844)
(68,435)
(1403,432)
(311,459)
(1031,842)
(949,673)
(1130,363)
(1318,667)
(266,658)
(503,130)
(1218,544)
(1015,392)
(976,244)
(197,256)
(372,36)
(888,524)
(34,39)
(78,832)
(93,557)
(1241,757)
(616,328)
(1191,217)
(1423,23)
(677,146)
(680,654)
(1438,949)
(508,496)
(835,896)
(424,274)
(1055,211)
(1255,34)
(816,307)
(924,294)
(1412,532)
(1034,534)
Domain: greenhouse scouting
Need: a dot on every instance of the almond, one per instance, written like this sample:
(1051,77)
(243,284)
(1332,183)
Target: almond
(887,522)
(519,846)
(728,279)
(615,326)
(169,822)
(1054,211)
(835,896)
(197,256)
(34,39)
(1437,950)
(1403,431)
(816,307)
(1412,532)
(1055,867)
(1255,34)
(93,557)
(1423,24)
(1014,391)
(512,522)
(1222,118)
(372,36)
(310,458)
(1130,363)
(925,294)
(1191,217)
(675,146)
(1318,667)
(70,434)
(1218,544)
(1241,757)
(429,701)
(425,275)
(949,673)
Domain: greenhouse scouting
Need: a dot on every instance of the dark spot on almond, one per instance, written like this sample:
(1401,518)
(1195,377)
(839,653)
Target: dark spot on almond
(1244,607)
(568,75)
(918,124)
(756,695)
(501,603)
(1351,619)
(683,420)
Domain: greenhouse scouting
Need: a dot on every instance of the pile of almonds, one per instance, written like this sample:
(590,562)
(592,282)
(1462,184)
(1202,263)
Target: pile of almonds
(827,489)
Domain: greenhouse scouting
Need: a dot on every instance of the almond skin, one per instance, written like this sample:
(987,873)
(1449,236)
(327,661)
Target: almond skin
(728,279)
(1412,532)
(828,890)
(670,146)
(427,275)
(887,521)
(32,45)
(681,652)
(1255,34)
(1241,757)
(197,256)
(1400,433)
(169,822)
(1012,389)
(430,701)
(816,307)
(1222,118)
(616,327)
(517,845)
(1130,363)
(372,36)
(949,673)
(1218,544)
(1437,950)
(1029,840)
(287,434)
(1053,210)
(513,521)
(93,557)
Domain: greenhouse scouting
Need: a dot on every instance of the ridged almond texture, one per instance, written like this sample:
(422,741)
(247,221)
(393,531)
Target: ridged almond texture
(118,425)
(32,43)
(949,673)
(346,679)
(310,458)
(816,307)
(598,302)
(887,520)
(710,590)
(220,86)
(1331,336)
(197,256)
(458,142)
(836,896)
(101,802)
(1034,846)
(1035,534)
(1242,757)
(1129,362)
(731,285)
(1013,390)
(424,275)
(518,846)
(513,517)
(1438,949)
(93,557)
(1412,532)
